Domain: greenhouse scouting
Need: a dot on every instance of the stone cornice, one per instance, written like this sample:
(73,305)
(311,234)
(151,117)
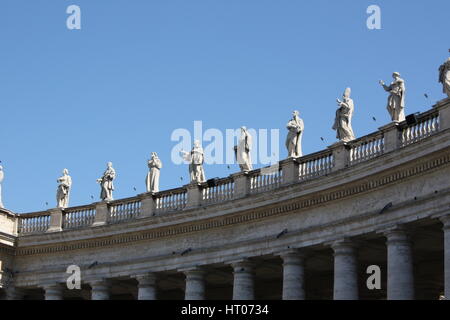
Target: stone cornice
(363,185)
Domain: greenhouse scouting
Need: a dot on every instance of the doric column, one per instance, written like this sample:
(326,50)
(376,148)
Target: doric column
(146,286)
(243,286)
(100,289)
(446,221)
(345,271)
(53,291)
(400,284)
(293,275)
(195,284)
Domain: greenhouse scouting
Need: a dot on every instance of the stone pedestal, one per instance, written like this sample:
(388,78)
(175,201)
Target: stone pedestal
(194,195)
(400,284)
(195,284)
(341,155)
(241,185)
(243,284)
(391,135)
(345,271)
(56,220)
(101,214)
(293,275)
(146,287)
(290,171)
(147,205)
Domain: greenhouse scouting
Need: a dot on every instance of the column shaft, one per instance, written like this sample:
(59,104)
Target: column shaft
(345,271)
(195,285)
(400,284)
(243,286)
(146,287)
(100,290)
(53,292)
(446,222)
(293,276)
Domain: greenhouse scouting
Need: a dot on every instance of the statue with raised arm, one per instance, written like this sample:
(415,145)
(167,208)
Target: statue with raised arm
(444,77)
(1,180)
(396,99)
(107,183)
(152,180)
(343,121)
(196,159)
(63,191)
(294,139)
(243,150)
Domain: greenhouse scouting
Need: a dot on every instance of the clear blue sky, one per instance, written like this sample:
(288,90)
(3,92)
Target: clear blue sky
(137,70)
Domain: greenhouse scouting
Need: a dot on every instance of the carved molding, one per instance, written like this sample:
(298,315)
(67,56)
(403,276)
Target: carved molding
(358,187)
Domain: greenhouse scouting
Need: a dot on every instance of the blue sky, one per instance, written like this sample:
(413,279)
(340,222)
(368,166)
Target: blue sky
(137,70)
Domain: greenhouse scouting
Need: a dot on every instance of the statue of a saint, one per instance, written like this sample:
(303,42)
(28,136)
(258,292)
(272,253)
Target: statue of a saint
(343,121)
(152,180)
(243,150)
(1,180)
(294,138)
(106,183)
(63,191)
(444,77)
(196,159)
(396,100)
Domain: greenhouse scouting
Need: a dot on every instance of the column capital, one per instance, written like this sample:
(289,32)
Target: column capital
(292,255)
(147,279)
(445,221)
(242,265)
(193,272)
(100,283)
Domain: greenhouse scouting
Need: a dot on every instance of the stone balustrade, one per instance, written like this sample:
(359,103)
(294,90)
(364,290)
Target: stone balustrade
(339,156)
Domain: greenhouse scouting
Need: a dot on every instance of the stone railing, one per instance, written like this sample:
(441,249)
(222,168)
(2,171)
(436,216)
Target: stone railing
(122,210)
(287,172)
(171,200)
(427,124)
(265,179)
(316,165)
(78,217)
(366,148)
(36,222)
(218,190)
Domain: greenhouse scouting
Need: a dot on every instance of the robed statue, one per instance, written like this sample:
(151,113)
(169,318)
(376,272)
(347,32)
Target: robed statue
(396,99)
(343,120)
(196,158)
(243,150)
(1,180)
(294,138)
(107,183)
(152,180)
(63,191)
(444,77)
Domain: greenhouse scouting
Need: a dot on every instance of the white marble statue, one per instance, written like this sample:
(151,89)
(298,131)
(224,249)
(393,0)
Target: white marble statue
(294,138)
(243,150)
(196,158)
(107,183)
(152,180)
(1,180)
(63,191)
(444,77)
(396,100)
(343,121)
